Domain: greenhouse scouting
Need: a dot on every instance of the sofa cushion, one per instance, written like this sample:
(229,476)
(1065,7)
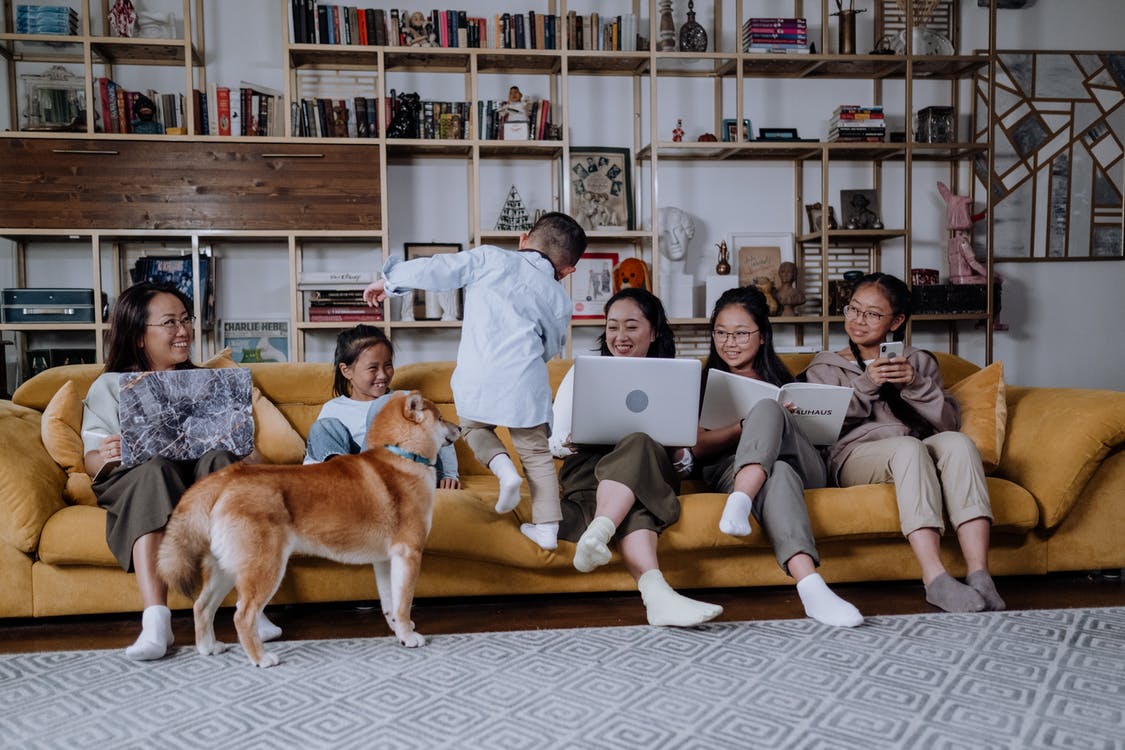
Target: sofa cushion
(61,428)
(76,536)
(984,411)
(30,486)
(274,437)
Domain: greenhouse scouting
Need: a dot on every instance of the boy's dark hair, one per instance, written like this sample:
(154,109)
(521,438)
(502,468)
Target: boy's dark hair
(766,363)
(124,352)
(664,346)
(896,292)
(558,237)
(349,345)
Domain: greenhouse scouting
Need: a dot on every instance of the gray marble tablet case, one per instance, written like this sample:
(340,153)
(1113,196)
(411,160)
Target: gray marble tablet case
(182,414)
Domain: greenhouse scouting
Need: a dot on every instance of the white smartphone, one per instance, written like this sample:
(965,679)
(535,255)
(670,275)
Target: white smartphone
(889,349)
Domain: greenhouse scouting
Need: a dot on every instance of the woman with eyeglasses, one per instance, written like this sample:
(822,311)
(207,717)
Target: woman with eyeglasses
(762,459)
(901,427)
(629,492)
(151,329)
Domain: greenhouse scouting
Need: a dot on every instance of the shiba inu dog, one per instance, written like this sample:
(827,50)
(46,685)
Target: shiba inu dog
(241,524)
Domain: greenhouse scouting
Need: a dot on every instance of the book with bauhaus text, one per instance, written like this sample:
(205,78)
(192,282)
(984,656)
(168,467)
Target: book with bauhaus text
(820,409)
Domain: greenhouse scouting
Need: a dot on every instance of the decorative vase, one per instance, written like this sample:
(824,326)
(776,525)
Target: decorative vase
(846,32)
(693,37)
(722,268)
(667,27)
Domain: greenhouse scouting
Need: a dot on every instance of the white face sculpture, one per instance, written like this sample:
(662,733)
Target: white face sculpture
(676,230)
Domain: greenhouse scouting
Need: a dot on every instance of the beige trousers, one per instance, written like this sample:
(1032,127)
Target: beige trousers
(535,455)
(944,470)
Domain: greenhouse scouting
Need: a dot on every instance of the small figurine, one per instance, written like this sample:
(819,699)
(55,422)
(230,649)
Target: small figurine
(405,122)
(964,268)
(123,18)
(631,273)
(722,268)
(707,138)
(765,286)
(144,113)
(788,295)
(678,131)
(415,33)
(667,30)
(516,108)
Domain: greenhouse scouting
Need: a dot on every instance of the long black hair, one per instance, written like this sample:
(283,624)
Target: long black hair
(664,345)
(897,294)
(124,352)
(349,345)
(766,363)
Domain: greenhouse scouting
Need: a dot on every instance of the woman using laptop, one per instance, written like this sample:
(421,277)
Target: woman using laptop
(763,460)
(150,329)
(626,492)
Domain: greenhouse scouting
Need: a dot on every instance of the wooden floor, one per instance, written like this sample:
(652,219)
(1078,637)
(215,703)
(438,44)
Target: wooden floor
(434,616)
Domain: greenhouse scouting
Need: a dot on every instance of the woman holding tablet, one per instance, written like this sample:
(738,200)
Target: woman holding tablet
(626,492)
(763,460)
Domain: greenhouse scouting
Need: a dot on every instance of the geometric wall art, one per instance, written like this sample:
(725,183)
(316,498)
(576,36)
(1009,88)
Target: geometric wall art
(1059,130)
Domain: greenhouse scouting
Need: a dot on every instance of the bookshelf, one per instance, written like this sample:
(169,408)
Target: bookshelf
(274,208)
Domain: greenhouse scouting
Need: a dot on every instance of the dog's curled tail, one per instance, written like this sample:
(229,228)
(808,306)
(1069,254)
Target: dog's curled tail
(187,538)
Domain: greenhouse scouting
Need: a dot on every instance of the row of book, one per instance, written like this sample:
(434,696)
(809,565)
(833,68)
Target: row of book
(857,123)
(493,116)
(115,110)
(337,296)
(315,22)
(46,19)
(785,35)
(251,109)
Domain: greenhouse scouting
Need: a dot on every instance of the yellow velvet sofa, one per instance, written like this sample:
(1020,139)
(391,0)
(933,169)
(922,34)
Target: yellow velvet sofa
(1057,488)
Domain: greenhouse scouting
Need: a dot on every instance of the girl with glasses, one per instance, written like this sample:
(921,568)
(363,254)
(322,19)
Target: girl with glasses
(902,427)
(150,329)
(629,492)
(762,459)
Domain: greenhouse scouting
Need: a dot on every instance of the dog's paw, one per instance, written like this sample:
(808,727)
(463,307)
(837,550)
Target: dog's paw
(412,640)
(269,659)
(211,649)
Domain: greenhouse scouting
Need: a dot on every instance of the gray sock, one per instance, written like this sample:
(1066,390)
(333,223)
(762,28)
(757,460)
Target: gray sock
(946,592)
(982,583)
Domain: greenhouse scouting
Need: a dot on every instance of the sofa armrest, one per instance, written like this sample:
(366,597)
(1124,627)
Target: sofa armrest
(1056,440)
(31,483)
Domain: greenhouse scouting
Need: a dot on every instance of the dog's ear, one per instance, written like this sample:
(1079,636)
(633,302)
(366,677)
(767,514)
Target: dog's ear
(415,406)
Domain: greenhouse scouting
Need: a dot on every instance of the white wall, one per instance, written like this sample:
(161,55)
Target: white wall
(1045,304)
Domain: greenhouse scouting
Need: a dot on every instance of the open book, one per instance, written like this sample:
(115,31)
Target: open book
(820,408)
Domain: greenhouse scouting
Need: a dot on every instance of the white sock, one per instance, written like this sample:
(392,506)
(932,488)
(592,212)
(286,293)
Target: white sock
(736,515)
(667,608)
(593,546)
(510,482)
(546,535)
(156,634)
(824,606)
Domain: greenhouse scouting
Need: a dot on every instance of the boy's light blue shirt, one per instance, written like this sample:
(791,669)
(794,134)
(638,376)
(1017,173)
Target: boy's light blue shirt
(516,317)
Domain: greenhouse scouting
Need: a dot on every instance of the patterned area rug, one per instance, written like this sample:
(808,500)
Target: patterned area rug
(1034,679)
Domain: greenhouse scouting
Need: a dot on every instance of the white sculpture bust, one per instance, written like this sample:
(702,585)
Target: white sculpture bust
(676,229)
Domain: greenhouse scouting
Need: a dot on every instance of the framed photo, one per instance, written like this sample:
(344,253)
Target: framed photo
(777,134)
(601,188)
(54,100)
(730,135)
(816,217)
(447,305)
(759,255)
(256,340)
(591,284)
(859,209)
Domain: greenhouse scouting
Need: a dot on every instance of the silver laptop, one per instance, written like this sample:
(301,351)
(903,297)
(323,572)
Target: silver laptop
(616,396)
(182,414)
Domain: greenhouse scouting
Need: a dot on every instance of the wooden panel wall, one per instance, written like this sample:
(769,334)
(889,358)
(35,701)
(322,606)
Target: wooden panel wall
(170,184)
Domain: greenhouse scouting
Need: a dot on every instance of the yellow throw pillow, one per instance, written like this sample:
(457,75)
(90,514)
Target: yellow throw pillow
(274,438)
(220,360)
(984,411)
(61,428)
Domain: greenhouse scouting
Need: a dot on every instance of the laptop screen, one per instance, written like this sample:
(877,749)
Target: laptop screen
(182,414)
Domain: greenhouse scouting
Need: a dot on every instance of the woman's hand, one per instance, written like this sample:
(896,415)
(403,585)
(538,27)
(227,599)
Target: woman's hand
(790,406)
(894,370)
(110,449)
(449,483)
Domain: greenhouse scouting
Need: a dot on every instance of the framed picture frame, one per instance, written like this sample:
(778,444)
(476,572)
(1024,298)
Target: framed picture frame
(859,209)
(778,134)
(731,135)
(54,100)
(815,213)
(591,284)
(447,305)
(759,255)
(601,188)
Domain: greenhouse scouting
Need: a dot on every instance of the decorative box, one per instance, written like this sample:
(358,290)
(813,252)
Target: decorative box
(935,125)
(944,299)
(49,305)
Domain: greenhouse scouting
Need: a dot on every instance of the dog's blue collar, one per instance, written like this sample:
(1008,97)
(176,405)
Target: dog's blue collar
(412,456)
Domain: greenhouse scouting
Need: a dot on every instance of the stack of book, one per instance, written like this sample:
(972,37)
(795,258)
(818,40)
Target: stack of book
(775,35)
(855,123)
(46,19)
(337,296)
